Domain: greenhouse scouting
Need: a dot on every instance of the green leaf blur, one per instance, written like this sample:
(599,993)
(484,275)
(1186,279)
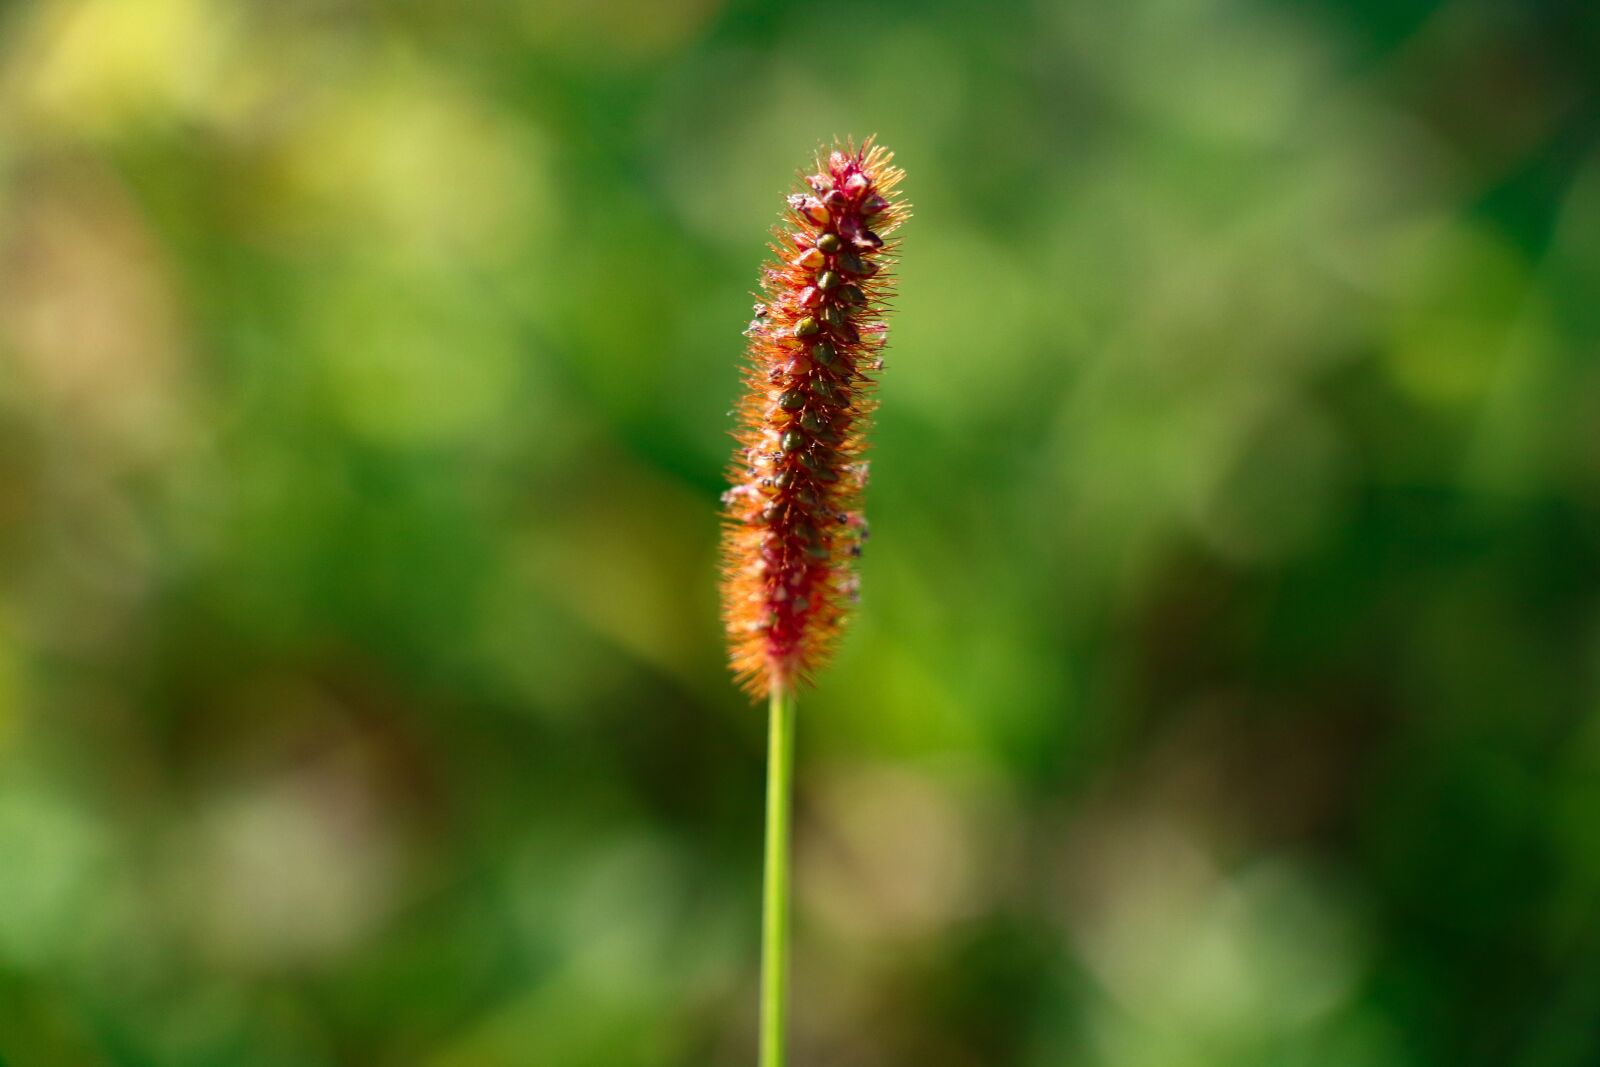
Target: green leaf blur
(1226,686)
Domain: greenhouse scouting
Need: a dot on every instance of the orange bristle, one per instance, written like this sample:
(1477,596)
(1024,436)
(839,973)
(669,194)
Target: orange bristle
(793,525)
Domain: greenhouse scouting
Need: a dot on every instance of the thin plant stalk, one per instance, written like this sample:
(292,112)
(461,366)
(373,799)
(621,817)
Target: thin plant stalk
(775,888)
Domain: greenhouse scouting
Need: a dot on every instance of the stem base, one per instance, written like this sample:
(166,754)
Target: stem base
(775,876)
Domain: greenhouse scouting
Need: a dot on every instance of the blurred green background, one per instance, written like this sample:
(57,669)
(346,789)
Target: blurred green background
(1226,689)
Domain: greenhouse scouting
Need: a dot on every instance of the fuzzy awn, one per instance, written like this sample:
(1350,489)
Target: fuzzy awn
(794,524)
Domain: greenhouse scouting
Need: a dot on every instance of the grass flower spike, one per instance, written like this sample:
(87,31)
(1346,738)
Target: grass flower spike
(793,515)
(793,522)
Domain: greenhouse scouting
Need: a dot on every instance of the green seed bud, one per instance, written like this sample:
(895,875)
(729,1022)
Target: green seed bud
(793,441)
(852,295)
(824,353)
(793,400)
(807,327)
(827,280)
(829,243)
(834,315)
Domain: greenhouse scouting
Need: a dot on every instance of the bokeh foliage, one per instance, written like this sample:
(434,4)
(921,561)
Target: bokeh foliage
(1227,685)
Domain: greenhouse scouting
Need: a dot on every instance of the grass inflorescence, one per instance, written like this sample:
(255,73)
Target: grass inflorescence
(793,516)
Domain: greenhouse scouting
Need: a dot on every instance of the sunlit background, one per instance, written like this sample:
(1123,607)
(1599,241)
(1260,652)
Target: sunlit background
(1226,688)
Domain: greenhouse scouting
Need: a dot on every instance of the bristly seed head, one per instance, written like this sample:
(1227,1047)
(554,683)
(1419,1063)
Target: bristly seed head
(787,584)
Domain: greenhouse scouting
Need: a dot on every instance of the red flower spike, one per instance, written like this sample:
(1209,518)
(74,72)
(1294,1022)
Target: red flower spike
(792,525)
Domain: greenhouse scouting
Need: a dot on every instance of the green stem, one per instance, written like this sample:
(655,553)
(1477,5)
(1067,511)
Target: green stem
(775,891)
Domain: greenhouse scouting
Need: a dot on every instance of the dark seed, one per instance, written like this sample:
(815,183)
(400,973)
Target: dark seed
(852,295)
(853,231)
(829,243)
(793,441)
(827,280)
(793,400)
(810,421)
(816,460)
(834,316)
(851,263)
(785,478)
(824,353)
